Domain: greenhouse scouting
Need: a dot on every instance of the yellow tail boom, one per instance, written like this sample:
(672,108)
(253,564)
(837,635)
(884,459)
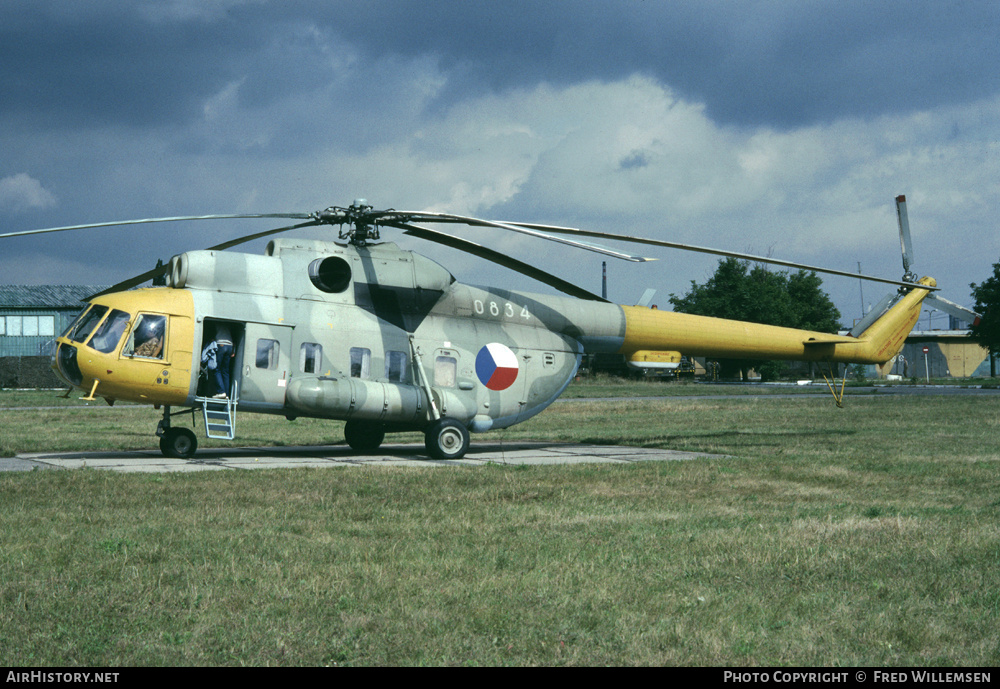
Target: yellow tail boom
(653,330)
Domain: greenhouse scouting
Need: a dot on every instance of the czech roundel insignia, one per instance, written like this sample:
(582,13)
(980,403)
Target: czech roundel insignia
(496,366)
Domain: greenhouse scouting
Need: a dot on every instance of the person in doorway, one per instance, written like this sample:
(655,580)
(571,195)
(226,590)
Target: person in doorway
(208,366)
(223,354)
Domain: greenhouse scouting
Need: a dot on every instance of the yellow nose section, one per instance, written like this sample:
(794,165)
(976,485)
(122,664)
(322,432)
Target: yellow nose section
(152,360)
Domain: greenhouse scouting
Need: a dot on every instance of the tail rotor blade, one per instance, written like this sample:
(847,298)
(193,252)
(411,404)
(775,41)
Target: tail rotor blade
(953,309)
(905,245)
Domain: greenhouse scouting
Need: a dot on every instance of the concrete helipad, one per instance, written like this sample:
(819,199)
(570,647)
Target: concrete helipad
(221,459)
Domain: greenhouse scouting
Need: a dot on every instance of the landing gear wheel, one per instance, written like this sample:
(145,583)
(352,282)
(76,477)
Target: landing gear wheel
(362,436)
(446,438)
(179,443)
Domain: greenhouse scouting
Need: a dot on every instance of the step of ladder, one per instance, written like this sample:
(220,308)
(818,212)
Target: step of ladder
(220,416)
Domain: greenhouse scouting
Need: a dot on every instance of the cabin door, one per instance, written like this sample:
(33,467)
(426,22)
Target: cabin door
(265,365)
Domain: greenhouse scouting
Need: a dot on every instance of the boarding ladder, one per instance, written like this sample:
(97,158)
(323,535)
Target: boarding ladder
(220,415)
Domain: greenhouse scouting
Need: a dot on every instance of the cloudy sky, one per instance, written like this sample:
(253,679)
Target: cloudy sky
(783,128)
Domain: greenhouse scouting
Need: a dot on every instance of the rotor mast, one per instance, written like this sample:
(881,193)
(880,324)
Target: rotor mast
(360,219)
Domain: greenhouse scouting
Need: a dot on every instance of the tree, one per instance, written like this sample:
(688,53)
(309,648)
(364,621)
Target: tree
(743,291)
(811,306)
(987,331)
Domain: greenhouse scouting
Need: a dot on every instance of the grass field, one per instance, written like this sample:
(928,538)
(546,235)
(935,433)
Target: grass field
(868,535)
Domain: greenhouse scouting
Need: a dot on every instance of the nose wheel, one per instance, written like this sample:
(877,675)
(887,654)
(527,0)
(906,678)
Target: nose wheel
(447,438)
(179,443)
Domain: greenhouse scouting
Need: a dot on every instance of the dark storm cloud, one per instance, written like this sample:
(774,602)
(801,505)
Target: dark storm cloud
(58,70)
(777,64)
(784,64)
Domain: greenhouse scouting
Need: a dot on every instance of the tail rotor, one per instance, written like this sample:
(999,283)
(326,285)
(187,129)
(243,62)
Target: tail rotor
(906,246)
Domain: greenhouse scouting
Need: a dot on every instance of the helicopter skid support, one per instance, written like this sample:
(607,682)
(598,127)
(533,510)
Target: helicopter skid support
(831,381)
(90,397)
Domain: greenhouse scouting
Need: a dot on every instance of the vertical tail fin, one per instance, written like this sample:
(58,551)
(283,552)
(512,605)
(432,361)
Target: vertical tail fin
(883,338)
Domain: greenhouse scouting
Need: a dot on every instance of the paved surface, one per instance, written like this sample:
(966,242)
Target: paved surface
(223,459)
(414,455)
(17,464)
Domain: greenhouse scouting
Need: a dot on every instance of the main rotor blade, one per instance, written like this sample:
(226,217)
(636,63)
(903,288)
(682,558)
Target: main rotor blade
(162,270)
(541,231)
(133,281)
(730,254)
(395,218)
(500,259)
(258,235)
(144,221)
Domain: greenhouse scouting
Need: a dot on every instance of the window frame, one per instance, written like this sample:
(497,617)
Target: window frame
(310,357)
(128,350)
(270,354)
(109,341)
(361,363)
(445,371)
(396,362)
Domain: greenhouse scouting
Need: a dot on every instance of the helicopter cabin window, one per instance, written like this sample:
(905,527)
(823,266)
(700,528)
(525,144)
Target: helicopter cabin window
(86,323)
(361,362)
(445,371)
(267,354)
(395,367)
(110,332)
(147,337)
(310,357)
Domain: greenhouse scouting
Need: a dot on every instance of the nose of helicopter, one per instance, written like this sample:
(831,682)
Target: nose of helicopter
(135,345)
(65,365)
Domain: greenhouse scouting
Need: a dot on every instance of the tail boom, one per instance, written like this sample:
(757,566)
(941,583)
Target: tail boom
(652,330)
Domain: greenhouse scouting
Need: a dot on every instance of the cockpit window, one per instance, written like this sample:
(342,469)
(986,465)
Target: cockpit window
(86,322)
(147,336)
(69,328)
(108,336)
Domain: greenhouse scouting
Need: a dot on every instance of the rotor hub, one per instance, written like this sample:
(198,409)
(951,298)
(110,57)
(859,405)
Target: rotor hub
(358,222)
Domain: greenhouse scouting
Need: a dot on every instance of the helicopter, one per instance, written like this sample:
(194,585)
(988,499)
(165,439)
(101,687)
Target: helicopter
(387,340)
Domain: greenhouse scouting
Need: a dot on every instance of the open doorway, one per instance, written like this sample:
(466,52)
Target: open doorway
(222,343)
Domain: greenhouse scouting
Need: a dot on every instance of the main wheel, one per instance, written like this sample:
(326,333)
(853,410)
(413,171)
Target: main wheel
(179,443)
(446,438)
(364,436)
